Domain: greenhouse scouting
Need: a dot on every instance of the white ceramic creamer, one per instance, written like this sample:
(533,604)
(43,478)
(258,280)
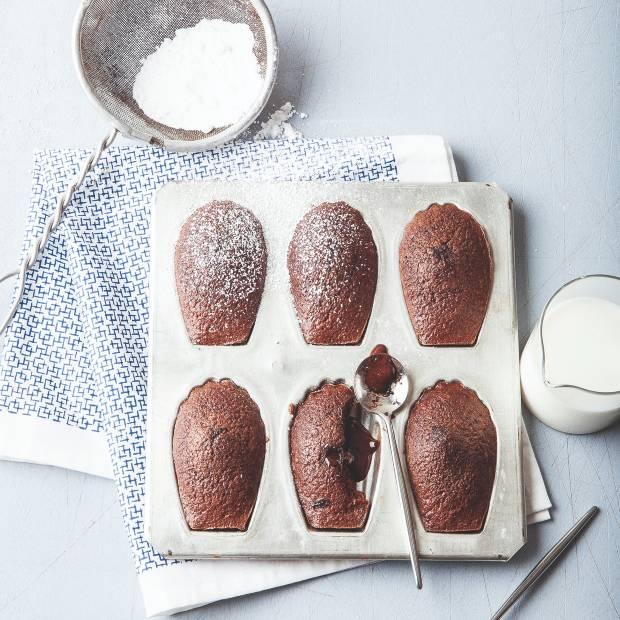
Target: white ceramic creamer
(570,366)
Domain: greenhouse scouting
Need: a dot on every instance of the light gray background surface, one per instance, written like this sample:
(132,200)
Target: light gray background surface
(527,93)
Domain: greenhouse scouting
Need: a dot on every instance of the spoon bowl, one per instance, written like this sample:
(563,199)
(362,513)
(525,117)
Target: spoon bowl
(389,402)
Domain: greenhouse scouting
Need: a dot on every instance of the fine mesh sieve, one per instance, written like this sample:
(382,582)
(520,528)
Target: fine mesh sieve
(113,36)
(111,39)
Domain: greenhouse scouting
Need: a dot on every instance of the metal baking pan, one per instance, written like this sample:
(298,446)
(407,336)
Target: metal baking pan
(277,367)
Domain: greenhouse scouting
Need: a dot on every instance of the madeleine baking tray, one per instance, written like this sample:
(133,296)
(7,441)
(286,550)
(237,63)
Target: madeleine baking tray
(277,367)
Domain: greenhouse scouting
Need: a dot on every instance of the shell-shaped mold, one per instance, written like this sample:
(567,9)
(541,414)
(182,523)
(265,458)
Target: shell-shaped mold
(220,268)
(331,451)
(446,272)
(451,452)
(332,264)
(218,450)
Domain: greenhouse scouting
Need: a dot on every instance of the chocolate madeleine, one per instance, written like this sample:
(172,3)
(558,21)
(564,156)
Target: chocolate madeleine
(332,264)
(451,452)
(218,450)
(330,452)
(220,267)
(446,272)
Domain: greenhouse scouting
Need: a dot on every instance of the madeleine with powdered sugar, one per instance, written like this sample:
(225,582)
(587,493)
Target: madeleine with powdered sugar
(332,265)
(221,265)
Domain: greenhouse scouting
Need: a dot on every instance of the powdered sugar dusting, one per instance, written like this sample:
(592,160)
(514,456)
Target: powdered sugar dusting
(332,265)
(278,125)
(221,264)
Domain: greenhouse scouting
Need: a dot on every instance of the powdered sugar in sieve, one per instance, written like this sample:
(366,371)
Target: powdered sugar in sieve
(204,78)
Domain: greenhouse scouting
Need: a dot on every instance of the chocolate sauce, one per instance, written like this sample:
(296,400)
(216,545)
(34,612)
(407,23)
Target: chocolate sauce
(379,372)
(338,457)
(357,452)
(362,445)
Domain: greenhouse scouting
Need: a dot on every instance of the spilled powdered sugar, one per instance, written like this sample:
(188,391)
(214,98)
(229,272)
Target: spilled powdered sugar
(278,127)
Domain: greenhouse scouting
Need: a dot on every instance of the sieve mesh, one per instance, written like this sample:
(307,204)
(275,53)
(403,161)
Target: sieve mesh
(113,36)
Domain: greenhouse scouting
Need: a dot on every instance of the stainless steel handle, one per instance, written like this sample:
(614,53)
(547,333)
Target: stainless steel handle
(404,500)
(39,243)
(552,555)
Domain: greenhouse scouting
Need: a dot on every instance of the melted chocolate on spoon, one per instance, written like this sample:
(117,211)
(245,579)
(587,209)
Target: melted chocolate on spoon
(379,372)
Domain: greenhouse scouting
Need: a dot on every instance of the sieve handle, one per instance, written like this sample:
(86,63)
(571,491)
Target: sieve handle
(52,223)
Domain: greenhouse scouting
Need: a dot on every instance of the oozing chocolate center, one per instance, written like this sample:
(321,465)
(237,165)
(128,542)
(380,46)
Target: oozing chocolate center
(362,445)
(356,454)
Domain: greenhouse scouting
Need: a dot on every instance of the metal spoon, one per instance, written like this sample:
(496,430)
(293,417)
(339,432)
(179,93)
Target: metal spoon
(384,406)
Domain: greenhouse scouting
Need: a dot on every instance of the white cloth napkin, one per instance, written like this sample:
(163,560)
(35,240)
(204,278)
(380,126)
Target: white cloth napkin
(73,369)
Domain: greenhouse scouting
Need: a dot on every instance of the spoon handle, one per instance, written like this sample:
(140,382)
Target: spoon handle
(402,492)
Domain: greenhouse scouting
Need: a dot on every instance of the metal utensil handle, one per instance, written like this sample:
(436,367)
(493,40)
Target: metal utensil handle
(39,243)
(552,555)
(404,500)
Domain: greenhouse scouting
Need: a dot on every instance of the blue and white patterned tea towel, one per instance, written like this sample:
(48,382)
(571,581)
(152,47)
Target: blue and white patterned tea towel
(73,369)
